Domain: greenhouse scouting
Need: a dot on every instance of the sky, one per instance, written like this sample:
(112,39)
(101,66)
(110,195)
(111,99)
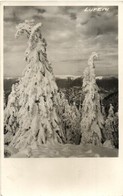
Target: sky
(72,34)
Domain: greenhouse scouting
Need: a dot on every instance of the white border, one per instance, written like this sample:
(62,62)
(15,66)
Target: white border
(63,176)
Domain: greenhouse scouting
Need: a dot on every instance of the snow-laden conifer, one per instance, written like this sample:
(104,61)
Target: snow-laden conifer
(111,127)
(92,118)
(70,118)
(31,114)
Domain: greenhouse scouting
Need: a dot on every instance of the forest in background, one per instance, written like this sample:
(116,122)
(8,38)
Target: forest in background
(108,89)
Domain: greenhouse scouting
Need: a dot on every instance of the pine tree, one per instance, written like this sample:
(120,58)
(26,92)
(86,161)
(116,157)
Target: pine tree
(70,118)
(92,118)
(10,115)
(111,128)
(31,114)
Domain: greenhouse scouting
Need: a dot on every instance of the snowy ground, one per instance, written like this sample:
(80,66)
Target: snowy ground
(67,150)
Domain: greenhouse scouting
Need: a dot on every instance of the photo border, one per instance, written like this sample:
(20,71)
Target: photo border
(64,176)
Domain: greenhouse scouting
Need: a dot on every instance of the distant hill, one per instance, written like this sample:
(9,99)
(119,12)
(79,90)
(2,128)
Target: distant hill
(107,85)
(68,81)
(8,82)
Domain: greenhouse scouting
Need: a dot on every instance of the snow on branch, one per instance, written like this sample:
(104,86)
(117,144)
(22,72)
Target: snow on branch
(36,43)
(93,57)
(35,31)
(24,27)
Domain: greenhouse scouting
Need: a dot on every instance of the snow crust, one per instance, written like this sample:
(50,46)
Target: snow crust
(67,151)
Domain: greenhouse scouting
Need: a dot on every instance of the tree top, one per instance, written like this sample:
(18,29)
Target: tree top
(93,57)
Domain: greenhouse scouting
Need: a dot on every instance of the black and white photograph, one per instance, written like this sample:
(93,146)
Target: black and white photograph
(60,81)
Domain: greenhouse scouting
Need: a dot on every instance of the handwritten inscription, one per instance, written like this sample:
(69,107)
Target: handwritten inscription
(96,9)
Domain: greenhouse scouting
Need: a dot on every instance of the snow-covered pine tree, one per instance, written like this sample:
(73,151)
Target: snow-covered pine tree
(70,118)
(92,118)
(31,114)
(10,115)
(109,123)
(110,130)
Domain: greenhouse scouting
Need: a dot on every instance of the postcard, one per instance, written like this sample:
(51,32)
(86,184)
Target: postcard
(61,98)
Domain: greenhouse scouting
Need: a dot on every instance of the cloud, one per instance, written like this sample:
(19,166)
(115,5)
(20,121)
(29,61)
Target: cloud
(71,34)
(16,14)
(98,23)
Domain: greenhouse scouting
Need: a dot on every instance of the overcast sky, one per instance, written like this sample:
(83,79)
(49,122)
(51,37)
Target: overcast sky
(71,33)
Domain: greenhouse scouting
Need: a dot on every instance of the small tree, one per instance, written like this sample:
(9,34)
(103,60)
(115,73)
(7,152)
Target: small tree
(70,118)
(111,127)
(92,118)
(10,115)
